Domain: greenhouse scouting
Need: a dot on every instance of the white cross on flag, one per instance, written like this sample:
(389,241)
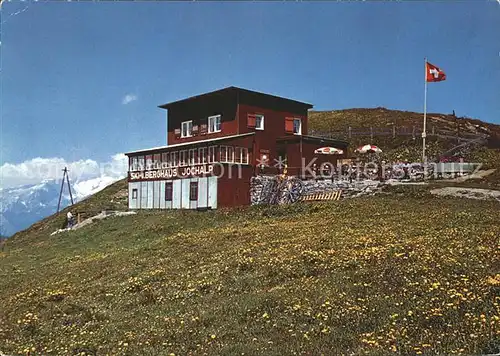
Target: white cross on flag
(434,74)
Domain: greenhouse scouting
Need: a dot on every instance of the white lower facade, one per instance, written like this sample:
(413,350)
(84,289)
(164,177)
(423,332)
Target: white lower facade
(151,194)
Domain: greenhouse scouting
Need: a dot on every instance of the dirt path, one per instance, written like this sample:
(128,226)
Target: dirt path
(471,193)
(477,175)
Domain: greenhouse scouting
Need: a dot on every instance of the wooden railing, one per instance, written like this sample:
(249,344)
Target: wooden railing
(395,131)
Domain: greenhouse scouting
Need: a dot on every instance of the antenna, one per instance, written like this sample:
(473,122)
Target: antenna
(65,175)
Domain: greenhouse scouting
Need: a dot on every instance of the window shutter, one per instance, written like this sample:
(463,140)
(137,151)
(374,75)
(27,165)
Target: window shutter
(289,124)
(177,133)
(251,120)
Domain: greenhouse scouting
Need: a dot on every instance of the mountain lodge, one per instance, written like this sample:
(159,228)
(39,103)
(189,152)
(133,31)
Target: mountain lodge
(216,143)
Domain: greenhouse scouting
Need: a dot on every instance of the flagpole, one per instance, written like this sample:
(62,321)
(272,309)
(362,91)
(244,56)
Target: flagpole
(424,133)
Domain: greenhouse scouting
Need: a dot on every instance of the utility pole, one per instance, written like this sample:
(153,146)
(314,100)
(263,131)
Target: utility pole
(65,175)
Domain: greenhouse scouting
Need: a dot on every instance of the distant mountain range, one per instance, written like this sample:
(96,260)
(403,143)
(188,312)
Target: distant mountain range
(24,205)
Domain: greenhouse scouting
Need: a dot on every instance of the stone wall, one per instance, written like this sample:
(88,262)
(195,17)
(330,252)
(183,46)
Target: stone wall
(270,189)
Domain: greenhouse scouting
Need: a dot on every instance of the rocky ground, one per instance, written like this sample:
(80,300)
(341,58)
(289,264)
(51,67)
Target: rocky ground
(471,193)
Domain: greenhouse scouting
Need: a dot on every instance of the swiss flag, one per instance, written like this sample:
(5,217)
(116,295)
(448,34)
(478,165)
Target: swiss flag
(433,73)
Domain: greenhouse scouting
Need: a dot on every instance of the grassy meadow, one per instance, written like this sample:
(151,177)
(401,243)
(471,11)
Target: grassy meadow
(392,274)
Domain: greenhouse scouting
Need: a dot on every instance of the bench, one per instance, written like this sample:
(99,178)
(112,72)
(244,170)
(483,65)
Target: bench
(323,196)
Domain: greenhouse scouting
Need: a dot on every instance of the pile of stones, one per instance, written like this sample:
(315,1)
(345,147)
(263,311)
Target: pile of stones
(266,189)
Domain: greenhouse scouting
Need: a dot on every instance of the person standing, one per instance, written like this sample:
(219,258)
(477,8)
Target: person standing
(70,221)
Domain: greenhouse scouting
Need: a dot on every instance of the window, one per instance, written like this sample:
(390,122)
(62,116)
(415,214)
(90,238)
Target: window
(227,154)
(193,191)
(169,186)
(173,159)
(259,122)
(165,161)
(255,121)
(134,193)
(223,153)
(140,163)
(211,154)
(191,157)
(244,155)
(187,129)
(297,126)
(134,164)
(241,155)
(183,158)
(149,162)
(237,155)
(202,155)
(156,161)
(230,154)
(214,123)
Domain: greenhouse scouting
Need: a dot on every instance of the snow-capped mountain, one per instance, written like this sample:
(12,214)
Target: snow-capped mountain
(24,205)
(29,190)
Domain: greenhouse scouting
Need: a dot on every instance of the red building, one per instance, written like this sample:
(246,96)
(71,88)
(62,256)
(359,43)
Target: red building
(216,142)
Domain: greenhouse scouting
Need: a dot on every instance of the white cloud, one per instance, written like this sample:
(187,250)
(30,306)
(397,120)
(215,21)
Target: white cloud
(39,169)
(88,187)
(129,98)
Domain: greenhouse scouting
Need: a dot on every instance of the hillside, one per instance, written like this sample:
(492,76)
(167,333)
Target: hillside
(303,279)
(337,120)
(406,144)
(402,272)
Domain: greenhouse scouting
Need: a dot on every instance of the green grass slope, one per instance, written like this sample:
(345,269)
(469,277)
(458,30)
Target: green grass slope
(361,118)
(405,148)
(401,273)
(380,275)
(402,147)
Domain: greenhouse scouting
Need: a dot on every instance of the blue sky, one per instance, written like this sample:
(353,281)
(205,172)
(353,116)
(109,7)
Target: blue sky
(67,66)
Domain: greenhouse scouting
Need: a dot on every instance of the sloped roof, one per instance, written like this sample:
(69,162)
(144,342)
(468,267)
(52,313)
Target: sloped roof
(230,90)
(190,143)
